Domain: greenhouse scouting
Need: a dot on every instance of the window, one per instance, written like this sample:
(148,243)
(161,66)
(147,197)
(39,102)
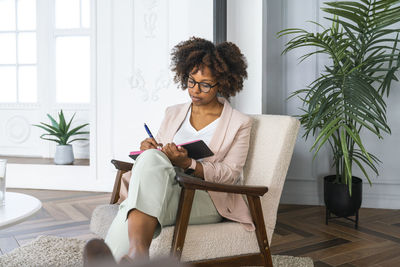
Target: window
(72,46)
(65,29)
(18,69)
(46,62)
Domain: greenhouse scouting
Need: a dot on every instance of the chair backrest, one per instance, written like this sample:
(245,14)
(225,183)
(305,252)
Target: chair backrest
(271,147)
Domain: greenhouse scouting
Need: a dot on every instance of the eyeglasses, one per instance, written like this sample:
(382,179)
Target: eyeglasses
(204,87)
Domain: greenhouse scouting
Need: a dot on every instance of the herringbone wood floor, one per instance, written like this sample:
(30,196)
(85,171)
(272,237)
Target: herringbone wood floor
(300,230)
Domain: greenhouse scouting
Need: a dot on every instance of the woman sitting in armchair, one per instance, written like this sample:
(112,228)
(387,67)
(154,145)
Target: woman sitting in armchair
(207,71)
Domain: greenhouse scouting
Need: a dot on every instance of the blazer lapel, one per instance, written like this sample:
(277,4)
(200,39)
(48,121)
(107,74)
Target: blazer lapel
(220,131)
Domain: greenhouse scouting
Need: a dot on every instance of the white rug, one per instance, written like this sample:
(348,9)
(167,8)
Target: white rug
(62,251)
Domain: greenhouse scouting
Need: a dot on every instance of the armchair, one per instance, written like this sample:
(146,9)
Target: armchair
(226,243)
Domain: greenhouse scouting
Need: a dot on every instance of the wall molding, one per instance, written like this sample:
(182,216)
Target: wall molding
(56,177)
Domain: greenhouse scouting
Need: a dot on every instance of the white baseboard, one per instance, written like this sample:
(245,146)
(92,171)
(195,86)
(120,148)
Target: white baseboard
(310,192)
(56,177)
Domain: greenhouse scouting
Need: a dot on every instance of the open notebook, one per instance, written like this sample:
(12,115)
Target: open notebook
(196,150)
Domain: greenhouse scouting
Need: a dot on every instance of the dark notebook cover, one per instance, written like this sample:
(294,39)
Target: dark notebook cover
(196,150)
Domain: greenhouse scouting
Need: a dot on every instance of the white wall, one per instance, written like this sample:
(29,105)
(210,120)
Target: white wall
(134,85)
(304,181)
(138,84)
(244,28)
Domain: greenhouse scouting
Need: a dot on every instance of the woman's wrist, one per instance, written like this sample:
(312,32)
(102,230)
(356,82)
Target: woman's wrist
(191,168)
(188,163)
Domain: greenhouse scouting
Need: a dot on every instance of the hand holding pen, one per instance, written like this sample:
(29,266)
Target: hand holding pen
(150,142)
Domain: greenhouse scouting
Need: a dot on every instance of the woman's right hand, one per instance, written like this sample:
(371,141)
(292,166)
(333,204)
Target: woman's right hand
(149,143)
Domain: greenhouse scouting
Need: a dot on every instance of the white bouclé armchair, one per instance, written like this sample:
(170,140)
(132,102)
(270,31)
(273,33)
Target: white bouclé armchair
(227,243)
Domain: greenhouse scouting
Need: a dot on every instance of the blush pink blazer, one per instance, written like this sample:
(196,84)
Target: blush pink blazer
(230,145)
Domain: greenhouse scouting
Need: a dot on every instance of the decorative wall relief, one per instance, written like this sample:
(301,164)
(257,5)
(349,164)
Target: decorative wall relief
(17,129)
(137,83)
(149,93)
(150,74)
(162,82)
(150,18)
(150,21)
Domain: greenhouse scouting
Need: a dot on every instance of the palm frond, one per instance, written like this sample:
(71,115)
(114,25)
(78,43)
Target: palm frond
(348,97)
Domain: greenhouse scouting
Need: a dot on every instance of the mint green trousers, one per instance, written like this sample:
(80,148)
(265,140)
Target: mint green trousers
(154,190)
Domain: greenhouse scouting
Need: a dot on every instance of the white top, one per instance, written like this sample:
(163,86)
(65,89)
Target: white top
(187,133)
(17,208)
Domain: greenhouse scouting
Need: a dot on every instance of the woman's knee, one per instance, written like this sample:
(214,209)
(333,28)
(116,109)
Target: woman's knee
(153,155)
(153,164)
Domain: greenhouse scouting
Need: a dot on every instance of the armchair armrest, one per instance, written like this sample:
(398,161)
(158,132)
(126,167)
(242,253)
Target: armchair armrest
(253,193)
(191,182)
(121,165)
(122,168)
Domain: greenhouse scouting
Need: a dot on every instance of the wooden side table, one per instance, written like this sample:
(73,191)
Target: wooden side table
(17,208)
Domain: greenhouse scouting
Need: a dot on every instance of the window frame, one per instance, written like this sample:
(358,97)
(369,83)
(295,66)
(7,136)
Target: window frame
(46,35)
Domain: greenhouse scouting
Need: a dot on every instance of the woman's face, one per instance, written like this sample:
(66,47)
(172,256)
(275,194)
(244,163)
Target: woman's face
(206,80)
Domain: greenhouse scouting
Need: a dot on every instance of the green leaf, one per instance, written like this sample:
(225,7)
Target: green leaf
(325,130)
(354,135)
(53,121)
(350,4)
(327,136)
(69,123)
(359,155)
(49,139)
(359,20)
(86,132)
(363,170)
(347,98)
(351,7)
(77,140)
(62,122)
(75,130)
(47,129)
(51,129)
(356,28)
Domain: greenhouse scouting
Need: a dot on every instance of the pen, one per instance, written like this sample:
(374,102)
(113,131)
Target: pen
(148,131)
(150,134)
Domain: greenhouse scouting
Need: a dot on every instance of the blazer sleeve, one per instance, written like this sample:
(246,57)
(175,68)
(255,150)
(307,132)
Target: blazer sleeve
(161,134)
(228,171)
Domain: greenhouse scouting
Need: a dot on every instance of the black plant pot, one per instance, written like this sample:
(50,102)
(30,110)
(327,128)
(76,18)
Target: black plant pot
(338,200)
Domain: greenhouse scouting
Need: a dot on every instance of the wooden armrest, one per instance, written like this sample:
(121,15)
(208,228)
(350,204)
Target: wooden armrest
(121,165)
(191,182)
(253,193)
(122,168)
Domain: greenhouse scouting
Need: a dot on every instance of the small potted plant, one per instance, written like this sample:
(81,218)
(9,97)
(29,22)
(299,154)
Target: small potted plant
(348,98)
(61,133)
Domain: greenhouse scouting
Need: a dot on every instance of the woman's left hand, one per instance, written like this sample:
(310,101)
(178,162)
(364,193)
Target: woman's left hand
(177,155)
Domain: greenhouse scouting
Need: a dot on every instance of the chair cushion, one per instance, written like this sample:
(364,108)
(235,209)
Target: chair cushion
(201,242)
(272,140)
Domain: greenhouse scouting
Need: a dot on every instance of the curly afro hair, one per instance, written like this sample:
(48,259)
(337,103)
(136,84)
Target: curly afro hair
(225,61)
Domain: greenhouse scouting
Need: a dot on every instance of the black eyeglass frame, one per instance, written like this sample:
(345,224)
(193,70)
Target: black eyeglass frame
(200,84)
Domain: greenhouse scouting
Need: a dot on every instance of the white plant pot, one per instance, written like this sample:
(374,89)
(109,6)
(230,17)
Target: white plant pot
(64,155)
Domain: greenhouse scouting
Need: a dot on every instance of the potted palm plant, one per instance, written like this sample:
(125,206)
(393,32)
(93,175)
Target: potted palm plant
(61,132)
(349,96)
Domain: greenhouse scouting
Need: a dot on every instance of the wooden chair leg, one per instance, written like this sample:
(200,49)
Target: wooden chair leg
(256,211)
(182,220)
